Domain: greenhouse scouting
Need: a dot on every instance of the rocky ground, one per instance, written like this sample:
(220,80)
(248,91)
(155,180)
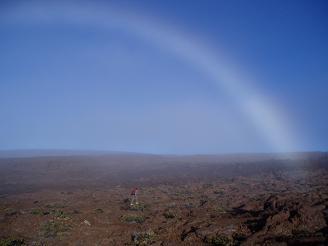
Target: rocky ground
(284,206)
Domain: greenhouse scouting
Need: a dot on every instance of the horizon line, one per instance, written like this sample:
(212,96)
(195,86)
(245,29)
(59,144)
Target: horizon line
(85,152)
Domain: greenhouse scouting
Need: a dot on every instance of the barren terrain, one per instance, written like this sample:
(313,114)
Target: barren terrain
(184,200)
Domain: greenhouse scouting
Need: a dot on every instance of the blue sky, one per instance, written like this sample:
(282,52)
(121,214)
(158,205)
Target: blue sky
(164,76)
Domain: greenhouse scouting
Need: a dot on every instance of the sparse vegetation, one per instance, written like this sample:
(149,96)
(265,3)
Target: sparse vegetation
(138,207)
(143,238)
(244,216)
(38,211)
(168,215)
(11,242)
(99,211)
(53,228)
(10,211)
(134,219)
(59,214)
(219,240)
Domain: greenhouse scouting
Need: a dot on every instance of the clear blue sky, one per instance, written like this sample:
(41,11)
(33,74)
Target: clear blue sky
(72,78)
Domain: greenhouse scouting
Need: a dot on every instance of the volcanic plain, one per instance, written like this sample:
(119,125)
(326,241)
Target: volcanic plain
(246,199)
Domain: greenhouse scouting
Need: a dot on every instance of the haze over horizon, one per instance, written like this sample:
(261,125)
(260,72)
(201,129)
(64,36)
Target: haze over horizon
(164,77)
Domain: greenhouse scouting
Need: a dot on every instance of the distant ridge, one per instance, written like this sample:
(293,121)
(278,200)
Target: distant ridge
(26,153)
(19,153)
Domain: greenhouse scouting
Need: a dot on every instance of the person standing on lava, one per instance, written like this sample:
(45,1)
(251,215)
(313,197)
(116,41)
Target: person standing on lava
(134,196)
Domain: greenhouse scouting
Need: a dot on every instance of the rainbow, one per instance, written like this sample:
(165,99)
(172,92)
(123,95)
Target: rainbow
(263,114)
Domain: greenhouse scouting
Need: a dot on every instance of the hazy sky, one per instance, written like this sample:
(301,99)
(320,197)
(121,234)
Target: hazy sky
(164,76)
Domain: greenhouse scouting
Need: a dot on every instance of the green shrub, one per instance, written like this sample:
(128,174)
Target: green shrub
(55,205)
(134,219)
(219,240)
(59,214)
(143,238)
(168,215)
(138,207)
(38,211)
(11,242)
(54,228)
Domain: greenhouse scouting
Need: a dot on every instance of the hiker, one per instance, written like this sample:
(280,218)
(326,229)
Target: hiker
(134,198)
